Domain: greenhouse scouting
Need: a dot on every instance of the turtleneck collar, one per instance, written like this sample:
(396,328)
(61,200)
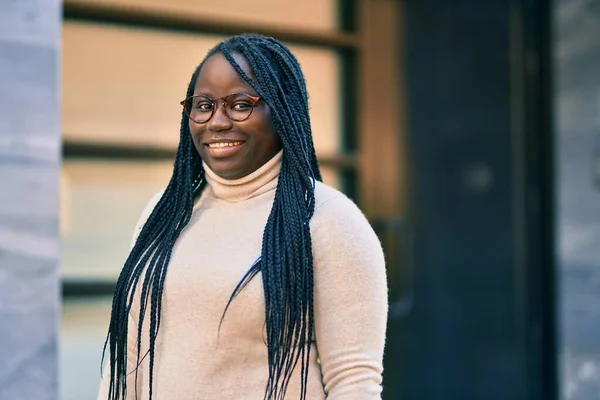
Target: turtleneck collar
(258,182)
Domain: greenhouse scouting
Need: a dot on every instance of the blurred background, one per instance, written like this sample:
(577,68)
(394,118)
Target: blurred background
(468,131)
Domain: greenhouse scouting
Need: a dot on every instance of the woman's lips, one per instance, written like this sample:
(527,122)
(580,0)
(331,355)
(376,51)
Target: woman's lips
(223,149)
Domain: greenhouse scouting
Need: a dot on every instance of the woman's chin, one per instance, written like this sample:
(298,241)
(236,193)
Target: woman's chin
(227,169)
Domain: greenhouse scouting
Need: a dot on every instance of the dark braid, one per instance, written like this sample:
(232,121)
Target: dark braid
(286,260)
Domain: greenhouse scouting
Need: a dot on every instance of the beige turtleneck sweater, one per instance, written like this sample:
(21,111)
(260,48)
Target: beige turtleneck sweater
(214,252)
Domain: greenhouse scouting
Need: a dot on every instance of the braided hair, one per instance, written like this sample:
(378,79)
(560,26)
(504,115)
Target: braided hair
(286,260)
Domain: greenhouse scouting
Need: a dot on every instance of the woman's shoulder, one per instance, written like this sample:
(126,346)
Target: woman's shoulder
(145,214)
(152,202)
(338,221)
(325,193)
(332,204)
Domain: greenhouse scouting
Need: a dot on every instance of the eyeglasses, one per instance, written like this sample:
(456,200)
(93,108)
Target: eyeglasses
(238,107)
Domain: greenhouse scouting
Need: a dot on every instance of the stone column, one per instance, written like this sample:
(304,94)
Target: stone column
(577,110)
(29,171)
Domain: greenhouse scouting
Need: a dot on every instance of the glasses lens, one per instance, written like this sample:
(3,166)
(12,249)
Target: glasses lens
(199,108)
(239,106)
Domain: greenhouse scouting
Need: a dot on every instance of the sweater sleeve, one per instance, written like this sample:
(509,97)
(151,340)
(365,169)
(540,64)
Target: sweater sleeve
(131,329)
(350,301)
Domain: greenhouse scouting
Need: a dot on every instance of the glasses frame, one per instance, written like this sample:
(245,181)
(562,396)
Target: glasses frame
(253,99)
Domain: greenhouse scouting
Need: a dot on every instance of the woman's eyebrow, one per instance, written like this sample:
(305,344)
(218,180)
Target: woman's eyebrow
(249,91)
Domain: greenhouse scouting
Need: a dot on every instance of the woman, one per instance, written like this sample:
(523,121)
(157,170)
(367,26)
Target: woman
(248,278)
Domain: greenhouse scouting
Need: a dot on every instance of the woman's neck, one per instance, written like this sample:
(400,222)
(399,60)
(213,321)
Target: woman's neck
(258,182)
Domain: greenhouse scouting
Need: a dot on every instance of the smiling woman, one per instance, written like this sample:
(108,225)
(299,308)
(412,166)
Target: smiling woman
(122,82)
(231,143)
(248,277)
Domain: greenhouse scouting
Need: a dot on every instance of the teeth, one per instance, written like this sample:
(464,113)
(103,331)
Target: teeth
(224,144)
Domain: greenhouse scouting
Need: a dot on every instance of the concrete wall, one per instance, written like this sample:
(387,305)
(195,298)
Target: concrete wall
(29,167)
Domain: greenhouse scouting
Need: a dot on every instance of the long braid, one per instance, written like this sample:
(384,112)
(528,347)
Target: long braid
(285,262)
(151,253)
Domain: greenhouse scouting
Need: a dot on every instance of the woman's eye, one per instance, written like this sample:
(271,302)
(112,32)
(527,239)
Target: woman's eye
(241,106)
(203,106)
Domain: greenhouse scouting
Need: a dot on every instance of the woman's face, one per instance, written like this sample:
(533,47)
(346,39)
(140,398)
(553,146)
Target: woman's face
(232,149)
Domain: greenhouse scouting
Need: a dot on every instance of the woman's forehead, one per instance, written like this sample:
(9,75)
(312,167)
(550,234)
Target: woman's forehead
(218,73)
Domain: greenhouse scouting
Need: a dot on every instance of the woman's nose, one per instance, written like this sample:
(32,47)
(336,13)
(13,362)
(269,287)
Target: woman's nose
(219,121)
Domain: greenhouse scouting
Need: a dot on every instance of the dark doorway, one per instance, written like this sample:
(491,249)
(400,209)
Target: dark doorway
(479,142)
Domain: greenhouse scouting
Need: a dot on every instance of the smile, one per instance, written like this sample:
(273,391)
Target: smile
(223,144)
